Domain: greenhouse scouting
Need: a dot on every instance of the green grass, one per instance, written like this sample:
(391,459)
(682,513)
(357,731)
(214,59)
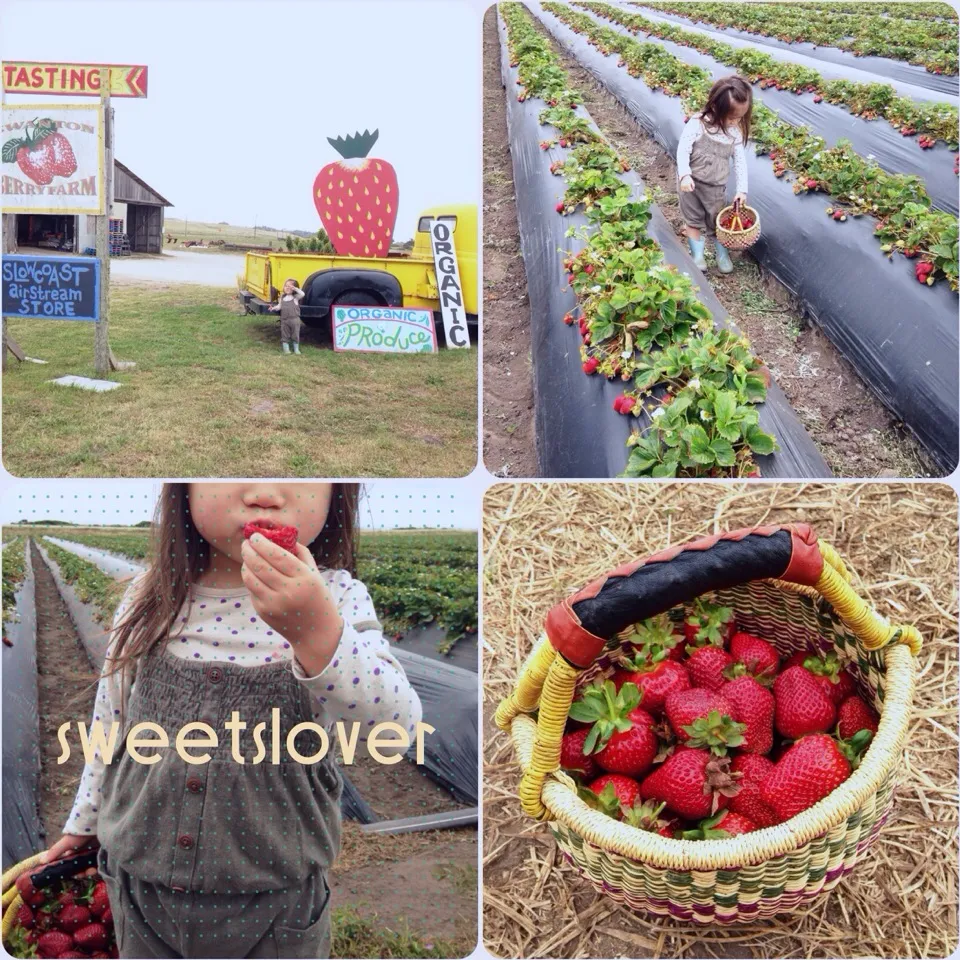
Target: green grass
(13,564)
(91,585)
(358,936)
(212,396)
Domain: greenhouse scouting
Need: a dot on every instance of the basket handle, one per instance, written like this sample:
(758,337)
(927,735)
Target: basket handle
(578,627)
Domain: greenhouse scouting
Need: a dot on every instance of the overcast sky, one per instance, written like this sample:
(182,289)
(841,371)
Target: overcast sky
(242,95)
(386,503)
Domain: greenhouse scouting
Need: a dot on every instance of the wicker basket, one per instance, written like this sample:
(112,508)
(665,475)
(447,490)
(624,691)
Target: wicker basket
(738,239)
(786,586)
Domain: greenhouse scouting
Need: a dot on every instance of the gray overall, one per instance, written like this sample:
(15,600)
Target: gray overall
(290,320)
(710,169)
(219,859)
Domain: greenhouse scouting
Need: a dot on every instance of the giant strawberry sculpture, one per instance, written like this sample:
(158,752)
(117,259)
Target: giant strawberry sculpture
(357,197)
(42,153)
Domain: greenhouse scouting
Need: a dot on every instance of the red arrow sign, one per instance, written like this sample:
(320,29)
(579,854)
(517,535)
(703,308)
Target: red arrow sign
(73,79)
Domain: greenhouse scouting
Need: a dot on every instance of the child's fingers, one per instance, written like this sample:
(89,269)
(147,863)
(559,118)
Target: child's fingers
(278,558)
(306,557)
(254,584)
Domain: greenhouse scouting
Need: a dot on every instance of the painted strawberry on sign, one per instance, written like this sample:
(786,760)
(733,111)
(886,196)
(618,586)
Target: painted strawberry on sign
(357,198)
(42,153)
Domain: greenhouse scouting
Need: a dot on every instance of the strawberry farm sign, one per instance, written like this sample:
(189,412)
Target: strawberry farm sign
(448,283)
(56,288)
(383,329)
(357,198)
(73,79)
(52,159)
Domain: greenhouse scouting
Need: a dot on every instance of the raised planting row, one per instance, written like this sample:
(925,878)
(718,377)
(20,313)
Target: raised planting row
(13,565)
(930,44)
(928,121)
(898,10)
(906,220)
(91,585)
(133,544)
(899,335)
(704,403)
(424,577)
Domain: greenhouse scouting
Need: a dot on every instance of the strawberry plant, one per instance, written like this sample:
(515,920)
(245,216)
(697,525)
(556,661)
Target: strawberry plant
(14,568)
(90,583)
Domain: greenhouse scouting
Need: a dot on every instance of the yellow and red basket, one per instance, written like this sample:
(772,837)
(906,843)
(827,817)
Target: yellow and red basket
(786,586)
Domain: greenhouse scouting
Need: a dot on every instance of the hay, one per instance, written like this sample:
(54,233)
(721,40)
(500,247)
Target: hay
(541,540)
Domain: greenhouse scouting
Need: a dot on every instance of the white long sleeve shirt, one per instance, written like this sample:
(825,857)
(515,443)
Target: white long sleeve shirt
(693,131)
(363,682)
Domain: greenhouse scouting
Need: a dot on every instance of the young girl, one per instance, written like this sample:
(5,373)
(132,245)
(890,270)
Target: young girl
(229,858)
(720,131)
(289,310)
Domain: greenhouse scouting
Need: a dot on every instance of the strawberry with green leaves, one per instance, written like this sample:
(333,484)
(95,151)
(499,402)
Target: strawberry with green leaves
(809,770)
(708,623)
(572,757)
(655,681)
(611,794)
(42,153)
(622,738)
(752,769)
(855,715)
(802,705)
(656,639)
(754,656)
(702,718)
(753,706)
(646,815)
(828,669)
(692,783)
(708,666)
(720,826)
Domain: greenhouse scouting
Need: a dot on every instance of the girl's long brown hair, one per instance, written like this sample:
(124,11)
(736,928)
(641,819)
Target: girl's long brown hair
(720,100)
(179,555)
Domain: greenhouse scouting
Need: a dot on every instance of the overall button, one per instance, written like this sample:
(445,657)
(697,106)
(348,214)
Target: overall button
(185,841)
(215,675)
(194,785)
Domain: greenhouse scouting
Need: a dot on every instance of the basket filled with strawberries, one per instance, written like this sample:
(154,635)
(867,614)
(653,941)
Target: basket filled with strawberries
(714,733)
(59,910)
(738,226)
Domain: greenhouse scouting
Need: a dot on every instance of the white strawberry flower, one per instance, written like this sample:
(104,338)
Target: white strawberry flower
(626,354)
(596,288)
(705,416)
(694,383)
(659,412)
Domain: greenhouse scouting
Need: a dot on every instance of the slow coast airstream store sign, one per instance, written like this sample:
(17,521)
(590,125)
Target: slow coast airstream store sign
(52,159)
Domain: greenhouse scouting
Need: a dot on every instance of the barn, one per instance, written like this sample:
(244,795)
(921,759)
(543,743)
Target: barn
(135,202)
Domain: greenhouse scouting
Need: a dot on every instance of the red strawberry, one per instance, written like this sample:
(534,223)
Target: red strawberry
(655,681)
(106,917)
(753,706)
(829,673)
(692,783)
(811,184)
(720,826)
(72,917)
(50,945)
(752,768)
(707,665)
(568,319)
(703,718)
(646,816)
(572,756)
(66,897)
(285,537)
(855,715)
(617,400)
(64,159)
(818,99)
(99,899)
(628,404)
(622,738)
(812,768)
(30,894)
(656,639)
(559,207)
(357,198)
(802,706)
(101,953)
(708,623)
(758,656)
(71,954)
(590,365)
(613,792)
(25,917)
(91,937)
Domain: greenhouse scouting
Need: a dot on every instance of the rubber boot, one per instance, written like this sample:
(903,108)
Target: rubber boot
(696,251)
(286,346)
(296,347)
(724,263)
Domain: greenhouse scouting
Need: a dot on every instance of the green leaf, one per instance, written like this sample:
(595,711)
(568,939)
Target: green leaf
(601,331)
(10,149)
(760,442)
(582,711)
(723,452)
(699,444)
(664,470)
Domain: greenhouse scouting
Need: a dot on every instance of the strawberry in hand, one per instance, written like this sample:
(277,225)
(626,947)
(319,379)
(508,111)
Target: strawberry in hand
(282,536)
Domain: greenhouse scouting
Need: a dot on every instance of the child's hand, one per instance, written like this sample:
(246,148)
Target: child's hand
(740,198)
(289,595)
(68,844)
(686,184)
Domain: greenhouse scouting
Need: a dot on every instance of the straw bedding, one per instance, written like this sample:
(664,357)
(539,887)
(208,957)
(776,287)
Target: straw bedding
(541,540)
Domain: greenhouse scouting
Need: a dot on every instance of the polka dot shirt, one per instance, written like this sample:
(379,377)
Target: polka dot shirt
(363,682)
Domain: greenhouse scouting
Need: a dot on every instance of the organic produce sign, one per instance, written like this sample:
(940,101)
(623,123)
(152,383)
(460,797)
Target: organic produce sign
(383,329)
(52,159)
(73,79)
(357,198)
(56,288)
(448,283)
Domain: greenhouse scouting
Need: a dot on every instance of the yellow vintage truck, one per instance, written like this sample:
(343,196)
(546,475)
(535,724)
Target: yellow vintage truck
(398,280)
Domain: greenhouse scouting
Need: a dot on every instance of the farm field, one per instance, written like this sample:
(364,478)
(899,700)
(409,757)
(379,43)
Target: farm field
(213,395)
(852,283)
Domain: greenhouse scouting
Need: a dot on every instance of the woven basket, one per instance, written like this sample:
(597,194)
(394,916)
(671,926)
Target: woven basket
(785,586)
(738,239)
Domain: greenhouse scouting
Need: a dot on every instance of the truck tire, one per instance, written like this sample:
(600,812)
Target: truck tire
(323,289)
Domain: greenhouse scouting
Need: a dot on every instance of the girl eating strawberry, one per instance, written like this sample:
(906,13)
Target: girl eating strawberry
(249,607)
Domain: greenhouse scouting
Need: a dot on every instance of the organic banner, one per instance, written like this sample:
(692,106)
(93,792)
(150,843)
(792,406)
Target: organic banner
(383,329)
(52,159)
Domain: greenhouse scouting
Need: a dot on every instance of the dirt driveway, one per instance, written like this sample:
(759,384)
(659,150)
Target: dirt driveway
(179,266)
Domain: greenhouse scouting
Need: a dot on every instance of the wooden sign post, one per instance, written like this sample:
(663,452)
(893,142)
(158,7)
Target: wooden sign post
(103,359)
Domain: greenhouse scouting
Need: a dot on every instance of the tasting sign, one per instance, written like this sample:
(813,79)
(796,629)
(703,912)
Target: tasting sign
(52,288)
